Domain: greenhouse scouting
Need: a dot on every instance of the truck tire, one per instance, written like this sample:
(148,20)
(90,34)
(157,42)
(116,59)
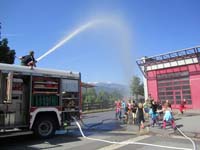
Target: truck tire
(45,127)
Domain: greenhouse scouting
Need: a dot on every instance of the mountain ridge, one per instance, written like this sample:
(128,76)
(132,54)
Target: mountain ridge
(111,87)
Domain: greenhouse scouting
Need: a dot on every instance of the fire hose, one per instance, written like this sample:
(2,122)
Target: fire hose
(135,143)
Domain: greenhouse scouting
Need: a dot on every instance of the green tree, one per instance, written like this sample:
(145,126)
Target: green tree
(115,95)
(103,96)
(6,54)
(91,95)
(137,87)
(141,89)
(100,96)
(84,94)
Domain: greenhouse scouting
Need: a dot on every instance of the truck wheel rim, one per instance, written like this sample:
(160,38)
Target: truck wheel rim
(45,128)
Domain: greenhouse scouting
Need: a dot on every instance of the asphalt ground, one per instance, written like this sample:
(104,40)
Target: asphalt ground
(104,126)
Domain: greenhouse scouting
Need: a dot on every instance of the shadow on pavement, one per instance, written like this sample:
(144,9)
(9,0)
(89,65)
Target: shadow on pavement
(177,119)
(29,142)
(179,126)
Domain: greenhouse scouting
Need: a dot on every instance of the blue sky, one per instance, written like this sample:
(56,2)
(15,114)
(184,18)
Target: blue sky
(104,51)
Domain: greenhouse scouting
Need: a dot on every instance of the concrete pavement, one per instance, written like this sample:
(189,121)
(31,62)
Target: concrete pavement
(188,123)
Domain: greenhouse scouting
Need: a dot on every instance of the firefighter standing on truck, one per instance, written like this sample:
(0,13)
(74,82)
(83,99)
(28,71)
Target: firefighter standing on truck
(28,60)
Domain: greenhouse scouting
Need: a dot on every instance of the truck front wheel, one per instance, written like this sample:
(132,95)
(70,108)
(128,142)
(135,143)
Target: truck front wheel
(45,127)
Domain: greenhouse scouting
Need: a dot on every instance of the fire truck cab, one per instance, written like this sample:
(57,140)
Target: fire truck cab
(37,100)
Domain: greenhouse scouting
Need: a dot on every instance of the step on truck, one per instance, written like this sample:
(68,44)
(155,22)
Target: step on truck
(37,100)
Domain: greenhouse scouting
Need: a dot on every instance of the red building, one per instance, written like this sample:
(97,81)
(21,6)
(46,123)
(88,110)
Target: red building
(174,76)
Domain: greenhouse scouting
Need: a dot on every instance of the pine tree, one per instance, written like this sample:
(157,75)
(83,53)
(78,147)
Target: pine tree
(6,54)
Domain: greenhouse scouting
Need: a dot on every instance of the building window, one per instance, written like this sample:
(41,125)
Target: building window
(174,87)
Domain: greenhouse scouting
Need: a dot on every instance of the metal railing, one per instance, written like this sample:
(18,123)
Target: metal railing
(97,106)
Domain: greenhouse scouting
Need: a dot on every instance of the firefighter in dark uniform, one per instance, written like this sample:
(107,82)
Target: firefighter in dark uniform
(28,60)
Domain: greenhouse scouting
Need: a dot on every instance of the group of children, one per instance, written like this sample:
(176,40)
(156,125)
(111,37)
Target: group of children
(137,112)
(161,112)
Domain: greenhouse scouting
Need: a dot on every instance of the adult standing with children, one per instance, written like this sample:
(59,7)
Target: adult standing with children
(140,116)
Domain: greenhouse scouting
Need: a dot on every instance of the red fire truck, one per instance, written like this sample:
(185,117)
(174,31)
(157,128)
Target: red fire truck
(37,100)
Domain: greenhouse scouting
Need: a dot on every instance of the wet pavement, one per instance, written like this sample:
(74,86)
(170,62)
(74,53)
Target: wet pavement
(188,123)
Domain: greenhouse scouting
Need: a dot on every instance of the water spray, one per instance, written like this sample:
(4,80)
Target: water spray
(125,41)
(69,37)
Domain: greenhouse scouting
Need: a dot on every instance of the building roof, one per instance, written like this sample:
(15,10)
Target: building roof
(171,59)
